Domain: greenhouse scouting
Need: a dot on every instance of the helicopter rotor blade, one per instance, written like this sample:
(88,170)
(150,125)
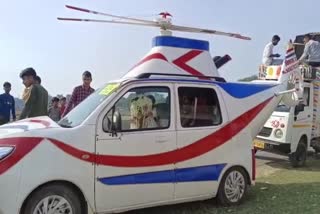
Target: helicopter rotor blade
(109,15)
(199,30)
(142,22)
(108,21)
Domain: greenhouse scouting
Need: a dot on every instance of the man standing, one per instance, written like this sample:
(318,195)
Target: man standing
(7,105)
(38,80)
(63,102)
(311,51)
(268,55)
(54,111)
(80,92)
(35,96)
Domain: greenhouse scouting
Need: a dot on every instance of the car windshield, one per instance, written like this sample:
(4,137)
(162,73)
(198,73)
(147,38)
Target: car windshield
(77,115)
(282,108)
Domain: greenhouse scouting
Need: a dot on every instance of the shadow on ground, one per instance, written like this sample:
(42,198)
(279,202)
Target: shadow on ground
(312,164)
(282,162)
(263,198)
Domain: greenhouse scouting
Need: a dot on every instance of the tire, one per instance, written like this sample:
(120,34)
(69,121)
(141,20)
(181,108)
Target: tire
(316,150)
(298,158)
(53,194)
(223,197)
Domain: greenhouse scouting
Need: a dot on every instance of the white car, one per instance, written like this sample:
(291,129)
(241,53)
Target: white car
(89,163)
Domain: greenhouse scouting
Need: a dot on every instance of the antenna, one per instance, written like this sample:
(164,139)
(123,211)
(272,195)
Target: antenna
(163,22)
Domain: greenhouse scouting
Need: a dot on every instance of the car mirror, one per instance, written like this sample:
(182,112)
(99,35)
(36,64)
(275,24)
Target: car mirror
(298,108)
(106,124)
(116,122)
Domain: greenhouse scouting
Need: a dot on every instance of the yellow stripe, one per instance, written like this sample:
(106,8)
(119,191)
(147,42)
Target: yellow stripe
(301,126)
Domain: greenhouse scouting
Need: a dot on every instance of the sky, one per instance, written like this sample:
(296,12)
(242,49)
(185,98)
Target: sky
(31,36)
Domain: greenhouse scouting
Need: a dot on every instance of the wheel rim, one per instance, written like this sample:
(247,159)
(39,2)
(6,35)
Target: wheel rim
(53,204)
(234,186)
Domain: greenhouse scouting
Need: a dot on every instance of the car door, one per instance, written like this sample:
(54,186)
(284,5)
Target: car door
(201,112)
(303,119)
(130,169)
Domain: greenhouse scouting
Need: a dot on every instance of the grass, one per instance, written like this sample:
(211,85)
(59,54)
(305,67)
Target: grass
(287,190)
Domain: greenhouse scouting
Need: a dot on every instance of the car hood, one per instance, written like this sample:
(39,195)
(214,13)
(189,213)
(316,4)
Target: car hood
(27,125)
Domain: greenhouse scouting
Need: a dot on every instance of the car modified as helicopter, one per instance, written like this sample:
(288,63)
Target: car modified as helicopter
(170,131)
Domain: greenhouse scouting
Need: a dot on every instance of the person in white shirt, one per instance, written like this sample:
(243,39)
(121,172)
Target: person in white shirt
(311,53)
(268,55)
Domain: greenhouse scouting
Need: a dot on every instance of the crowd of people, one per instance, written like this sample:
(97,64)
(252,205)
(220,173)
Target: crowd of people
(35,98)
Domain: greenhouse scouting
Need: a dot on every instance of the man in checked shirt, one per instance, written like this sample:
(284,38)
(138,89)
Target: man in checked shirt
(80,92)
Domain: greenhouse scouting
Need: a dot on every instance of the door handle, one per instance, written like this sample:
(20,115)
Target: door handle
(161,140)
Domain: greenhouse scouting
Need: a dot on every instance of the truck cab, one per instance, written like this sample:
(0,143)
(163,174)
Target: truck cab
(295,130)
(288,130)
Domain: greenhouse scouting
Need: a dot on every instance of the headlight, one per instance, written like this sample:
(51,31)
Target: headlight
(5,151)
(278,133)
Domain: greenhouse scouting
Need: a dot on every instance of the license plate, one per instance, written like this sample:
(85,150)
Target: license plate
(258,144)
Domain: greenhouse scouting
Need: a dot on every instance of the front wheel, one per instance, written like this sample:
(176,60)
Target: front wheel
(233,187)
(55,199)
(298,158)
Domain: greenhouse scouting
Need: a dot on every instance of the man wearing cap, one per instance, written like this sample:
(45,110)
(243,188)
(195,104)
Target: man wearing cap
(7,105)
(35,96)
(80,92)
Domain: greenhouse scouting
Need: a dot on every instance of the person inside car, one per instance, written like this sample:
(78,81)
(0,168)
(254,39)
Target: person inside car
(186,111)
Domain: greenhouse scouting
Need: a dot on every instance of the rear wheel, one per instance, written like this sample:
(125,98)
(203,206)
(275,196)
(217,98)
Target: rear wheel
(233,187)
(55,199)
(298,158)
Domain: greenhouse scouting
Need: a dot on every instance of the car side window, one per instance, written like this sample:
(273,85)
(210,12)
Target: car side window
(199,107)
(144,108)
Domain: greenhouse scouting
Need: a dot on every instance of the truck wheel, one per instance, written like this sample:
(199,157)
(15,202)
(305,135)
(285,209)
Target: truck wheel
(298,158)
(233,187)
(55,198)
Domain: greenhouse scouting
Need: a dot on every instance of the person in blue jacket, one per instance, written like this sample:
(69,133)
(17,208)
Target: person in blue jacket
(7,105)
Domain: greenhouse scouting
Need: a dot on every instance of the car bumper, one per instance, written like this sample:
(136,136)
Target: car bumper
(9,188)
(271,146)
